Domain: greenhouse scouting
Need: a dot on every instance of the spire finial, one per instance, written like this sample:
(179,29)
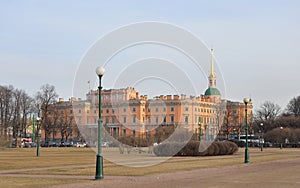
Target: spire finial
(212,73)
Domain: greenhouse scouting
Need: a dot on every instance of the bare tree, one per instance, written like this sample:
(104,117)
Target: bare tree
(55,119)
(225,127)
(67,125)
(26,109)
(16,114)
(44,98)
(268,111)
(293,106)
(6,97)
(14,109)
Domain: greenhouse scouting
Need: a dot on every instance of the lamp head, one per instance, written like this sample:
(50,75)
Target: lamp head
(100,71)
(246,100)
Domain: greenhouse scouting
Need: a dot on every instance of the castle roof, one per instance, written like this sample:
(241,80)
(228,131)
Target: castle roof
(212,91)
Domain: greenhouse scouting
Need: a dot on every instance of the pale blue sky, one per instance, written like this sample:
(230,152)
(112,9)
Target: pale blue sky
(256,42)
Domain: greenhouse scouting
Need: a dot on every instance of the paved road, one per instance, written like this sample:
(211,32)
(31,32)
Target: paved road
(282,173)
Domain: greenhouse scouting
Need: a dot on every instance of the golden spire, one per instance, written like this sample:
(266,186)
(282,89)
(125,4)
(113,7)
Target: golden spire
(212,73)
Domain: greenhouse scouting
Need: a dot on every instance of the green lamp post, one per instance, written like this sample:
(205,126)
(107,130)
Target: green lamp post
(281,128)
(32,128)
(261,139)
(99,161)
(200,131)
(246,101)
(38,122)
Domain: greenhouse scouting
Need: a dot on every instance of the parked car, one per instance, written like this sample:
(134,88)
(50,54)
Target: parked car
(81,144)
(28,144)
(65,144)
(48,144)
(33,144)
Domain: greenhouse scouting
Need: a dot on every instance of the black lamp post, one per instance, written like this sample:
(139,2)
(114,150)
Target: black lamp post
(246,101)
(99,162)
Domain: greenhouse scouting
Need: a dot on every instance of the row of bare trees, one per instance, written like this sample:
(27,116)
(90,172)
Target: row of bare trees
(272,117)
(60,119)
(17,108)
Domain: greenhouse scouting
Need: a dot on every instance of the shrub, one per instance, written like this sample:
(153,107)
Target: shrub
(169,149)
(232,148)
(136,141)
(192,149)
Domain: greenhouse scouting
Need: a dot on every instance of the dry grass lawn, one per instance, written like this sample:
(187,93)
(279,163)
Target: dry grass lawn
(80,162)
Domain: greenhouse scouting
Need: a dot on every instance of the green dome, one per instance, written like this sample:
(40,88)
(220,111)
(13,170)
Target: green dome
(212,91)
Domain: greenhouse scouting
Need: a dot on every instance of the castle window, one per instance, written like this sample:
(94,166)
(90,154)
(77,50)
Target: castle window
(172,119)
(186,119)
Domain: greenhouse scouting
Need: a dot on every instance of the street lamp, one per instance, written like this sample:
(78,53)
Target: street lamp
(261,143)
(234,133)
(281,128)
(200,131)
(246,101)
(33,132)
(38,121)
(99,161)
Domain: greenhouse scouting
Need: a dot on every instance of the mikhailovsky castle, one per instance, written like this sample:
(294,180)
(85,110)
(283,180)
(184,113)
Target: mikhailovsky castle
(127,113)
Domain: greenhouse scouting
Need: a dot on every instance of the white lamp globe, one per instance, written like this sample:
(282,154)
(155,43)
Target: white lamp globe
(100,71)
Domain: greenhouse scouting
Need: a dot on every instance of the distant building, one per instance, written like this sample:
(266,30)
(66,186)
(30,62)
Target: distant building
(126,113)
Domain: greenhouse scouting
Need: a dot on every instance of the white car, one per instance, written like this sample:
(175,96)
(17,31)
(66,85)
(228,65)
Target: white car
(81,144)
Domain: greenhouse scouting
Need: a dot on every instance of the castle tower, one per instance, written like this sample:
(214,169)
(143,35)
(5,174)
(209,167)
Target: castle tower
(212,83)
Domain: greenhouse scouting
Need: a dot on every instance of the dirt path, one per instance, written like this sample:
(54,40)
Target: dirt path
(281,173)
